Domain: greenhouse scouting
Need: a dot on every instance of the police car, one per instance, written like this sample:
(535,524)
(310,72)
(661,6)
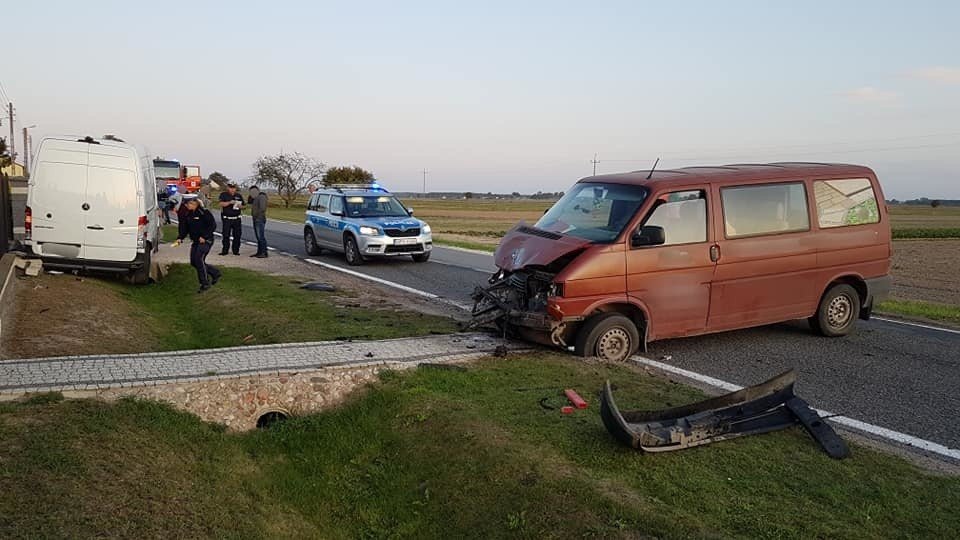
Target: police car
(364,221)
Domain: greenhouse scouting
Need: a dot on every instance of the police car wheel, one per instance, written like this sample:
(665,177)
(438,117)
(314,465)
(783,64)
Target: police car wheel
(421,257)
(310,243)
(352,251)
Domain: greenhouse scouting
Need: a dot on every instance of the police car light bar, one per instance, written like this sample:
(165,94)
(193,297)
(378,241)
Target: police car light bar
(373,186)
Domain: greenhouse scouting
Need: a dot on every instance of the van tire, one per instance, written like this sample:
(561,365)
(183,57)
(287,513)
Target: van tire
(310,243)
(838,311)
(351,251)
(141,275)
(609,336)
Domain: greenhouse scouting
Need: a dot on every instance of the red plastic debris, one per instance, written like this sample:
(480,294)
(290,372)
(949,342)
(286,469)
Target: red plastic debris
(575,398)
(566,409)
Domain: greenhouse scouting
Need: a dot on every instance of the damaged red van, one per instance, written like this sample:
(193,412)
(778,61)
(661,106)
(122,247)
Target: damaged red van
(624,259)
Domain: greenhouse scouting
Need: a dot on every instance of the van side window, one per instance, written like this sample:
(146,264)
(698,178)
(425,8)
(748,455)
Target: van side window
(841,203)
(765,209)
(682,215)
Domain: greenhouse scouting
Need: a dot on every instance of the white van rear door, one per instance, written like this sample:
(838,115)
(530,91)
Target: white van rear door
(56,193)
(113,199)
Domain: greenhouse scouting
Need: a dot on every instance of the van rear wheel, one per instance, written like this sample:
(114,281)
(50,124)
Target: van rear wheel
(608,336)
(141,276)
(838,311)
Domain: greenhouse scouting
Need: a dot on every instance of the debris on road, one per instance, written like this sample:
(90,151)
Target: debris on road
(769,406)
(566,409)
(318,286)
(575,398)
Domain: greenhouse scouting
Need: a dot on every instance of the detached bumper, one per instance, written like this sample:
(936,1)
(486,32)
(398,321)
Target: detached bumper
(389,246)
(763,408)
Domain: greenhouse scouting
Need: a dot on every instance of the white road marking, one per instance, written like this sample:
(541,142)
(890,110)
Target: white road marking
(465,250)
(374,279)
(927,326)
(475,269)
(268,247)
(852,423)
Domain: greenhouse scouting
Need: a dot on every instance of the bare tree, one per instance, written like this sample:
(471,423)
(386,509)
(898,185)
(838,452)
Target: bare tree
(290,174)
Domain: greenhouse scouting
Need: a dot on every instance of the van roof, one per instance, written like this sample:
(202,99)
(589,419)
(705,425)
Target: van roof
(734,172)
(80,139)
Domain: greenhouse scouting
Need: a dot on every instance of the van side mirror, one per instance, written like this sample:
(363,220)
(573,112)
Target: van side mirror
(648,235)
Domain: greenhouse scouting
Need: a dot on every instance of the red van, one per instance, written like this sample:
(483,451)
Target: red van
(624,259)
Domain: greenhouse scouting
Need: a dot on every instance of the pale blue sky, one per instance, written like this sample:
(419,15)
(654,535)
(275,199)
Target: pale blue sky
(502,96)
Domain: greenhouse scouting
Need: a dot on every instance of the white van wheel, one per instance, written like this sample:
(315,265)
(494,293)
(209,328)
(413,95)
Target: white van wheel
(141,276)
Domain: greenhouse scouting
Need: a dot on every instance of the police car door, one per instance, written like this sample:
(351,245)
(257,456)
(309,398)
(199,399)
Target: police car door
(331,234)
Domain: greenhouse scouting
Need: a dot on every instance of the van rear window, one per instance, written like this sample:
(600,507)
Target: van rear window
(765,209)
(842,203)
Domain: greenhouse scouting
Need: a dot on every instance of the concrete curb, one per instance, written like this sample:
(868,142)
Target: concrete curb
(7,270)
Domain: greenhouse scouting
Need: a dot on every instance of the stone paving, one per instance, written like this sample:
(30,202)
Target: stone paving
(78,373)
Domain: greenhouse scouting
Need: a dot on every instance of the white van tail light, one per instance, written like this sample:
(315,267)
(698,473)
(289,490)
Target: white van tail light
(142,232)
(27,223)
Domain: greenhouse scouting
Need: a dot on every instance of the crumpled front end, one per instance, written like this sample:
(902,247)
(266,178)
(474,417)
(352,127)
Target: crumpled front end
(518,297)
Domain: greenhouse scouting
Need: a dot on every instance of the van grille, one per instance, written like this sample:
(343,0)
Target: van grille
(398,233)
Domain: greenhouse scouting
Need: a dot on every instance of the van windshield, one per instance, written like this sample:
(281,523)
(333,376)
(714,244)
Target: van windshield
(375,206)
(594,211)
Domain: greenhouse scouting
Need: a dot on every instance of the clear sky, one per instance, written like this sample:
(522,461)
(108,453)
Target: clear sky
(501,96)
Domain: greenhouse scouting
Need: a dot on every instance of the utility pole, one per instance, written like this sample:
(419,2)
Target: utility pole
(594,164)
(26,153)
(13,148)
(425,183)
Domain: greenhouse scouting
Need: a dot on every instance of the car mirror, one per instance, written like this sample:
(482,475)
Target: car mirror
(409,211)
(648,235)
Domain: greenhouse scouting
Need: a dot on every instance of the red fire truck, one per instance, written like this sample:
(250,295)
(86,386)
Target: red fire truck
(172,174)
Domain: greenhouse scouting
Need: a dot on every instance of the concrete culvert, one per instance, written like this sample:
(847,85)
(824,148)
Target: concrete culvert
(270,418)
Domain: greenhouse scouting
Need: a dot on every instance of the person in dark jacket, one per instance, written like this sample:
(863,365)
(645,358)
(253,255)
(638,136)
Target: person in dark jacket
(231,203)
(199,224)
(258,210)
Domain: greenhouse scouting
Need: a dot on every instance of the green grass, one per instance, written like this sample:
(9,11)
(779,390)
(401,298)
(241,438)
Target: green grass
(924,217)
(445,454)
(466,244)
(268,308)
(952,232)
(168,233)
(926,310)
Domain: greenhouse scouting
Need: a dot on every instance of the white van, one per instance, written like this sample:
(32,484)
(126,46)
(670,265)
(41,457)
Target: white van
(92,205)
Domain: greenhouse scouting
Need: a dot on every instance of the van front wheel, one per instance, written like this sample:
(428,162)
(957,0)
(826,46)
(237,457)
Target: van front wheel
(838,311)
(608,336)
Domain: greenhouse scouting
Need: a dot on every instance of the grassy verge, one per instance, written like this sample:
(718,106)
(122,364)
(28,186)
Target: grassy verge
(951,232)
(464,244)
(251,308)
(926,310)
(432,454)
(168,233)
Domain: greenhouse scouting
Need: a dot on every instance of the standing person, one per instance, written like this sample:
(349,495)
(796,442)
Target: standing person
(230,204)
(258,210)
(176,202)
(198,223)
(163,200)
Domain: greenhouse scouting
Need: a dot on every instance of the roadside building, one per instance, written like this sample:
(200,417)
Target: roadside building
(13,170)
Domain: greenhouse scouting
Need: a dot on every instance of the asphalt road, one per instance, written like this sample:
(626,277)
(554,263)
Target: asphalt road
(900,377)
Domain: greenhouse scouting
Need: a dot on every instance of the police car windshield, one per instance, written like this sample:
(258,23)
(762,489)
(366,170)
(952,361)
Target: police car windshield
(374,206)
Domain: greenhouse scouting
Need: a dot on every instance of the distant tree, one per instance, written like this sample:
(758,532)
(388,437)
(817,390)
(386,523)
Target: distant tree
(347,175)
(468,195)
(290,174)
(219,178)
(934,203)
(4,156)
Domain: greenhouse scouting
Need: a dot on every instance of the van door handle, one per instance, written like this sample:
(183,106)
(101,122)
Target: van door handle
(714,253)
(95,227)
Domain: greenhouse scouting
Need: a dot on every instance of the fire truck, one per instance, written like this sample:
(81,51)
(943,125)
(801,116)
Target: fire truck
(172,174)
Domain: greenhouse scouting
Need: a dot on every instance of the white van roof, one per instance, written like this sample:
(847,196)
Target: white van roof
(89,140)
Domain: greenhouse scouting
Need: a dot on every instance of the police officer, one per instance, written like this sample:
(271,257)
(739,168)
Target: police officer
(199,224)
(231,203)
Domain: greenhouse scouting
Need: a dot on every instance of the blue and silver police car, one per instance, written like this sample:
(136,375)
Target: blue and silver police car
(364,221)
